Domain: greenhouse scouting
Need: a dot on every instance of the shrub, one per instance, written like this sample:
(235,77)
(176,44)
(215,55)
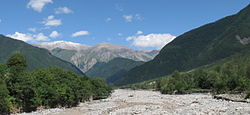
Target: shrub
(48,87)
(4,98)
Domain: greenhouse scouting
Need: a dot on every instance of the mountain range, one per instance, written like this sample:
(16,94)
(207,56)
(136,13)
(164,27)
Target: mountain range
(202,46)
(206,45)
(85,57)
(35,57)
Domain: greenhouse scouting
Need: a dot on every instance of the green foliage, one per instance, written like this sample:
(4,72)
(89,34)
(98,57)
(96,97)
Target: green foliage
(5,104)
(17,60)
(3,71)
(176,83)
(146,85)
(48,87)
(229,75)
(248,94)
(101,90)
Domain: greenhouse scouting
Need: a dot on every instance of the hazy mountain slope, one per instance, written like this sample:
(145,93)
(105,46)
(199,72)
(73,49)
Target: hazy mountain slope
(197,47)
(63,53)
(111,68)
(86,57)
(151,52)
(36,57)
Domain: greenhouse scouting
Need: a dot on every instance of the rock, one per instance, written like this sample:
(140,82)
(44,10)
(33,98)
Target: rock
(152,103)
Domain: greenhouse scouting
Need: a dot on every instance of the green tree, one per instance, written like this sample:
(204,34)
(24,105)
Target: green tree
(49,87)
(5,103)
(17,61)
(100,88)
(3,71)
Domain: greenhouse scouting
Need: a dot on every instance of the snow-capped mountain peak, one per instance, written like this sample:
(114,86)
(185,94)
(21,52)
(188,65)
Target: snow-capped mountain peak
(63,45)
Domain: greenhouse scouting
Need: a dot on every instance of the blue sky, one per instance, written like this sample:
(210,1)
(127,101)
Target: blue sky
(138,24)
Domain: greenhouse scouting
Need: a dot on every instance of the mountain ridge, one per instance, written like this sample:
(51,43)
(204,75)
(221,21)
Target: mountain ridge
(200,46)
(110,70)
(87,57)
(36,57)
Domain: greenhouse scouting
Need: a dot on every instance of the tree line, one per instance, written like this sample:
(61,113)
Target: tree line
(24,91)
(230,77)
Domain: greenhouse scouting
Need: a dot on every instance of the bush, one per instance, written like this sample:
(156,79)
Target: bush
(4,98)
(100,88)
(224,78)
(48,87)
(176,83)
(248,95)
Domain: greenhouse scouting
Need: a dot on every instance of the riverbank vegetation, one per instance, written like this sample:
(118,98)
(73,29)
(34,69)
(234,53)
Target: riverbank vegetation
(231,75)
(23,91)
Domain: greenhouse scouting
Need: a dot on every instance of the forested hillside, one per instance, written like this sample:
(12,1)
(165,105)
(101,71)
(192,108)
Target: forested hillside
(36,57)
(231,75)
(113,69)
(204,45)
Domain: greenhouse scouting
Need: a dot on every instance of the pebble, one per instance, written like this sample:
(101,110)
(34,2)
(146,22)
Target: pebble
(141,102)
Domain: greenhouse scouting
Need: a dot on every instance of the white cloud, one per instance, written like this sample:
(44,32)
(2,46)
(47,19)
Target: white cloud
(80,33)
(139,32)
(32,29)
(29,37)
(108,19)
(152,40)
(138,17)
(21,36)
(0,20)
(128,18)
(54,34)
(40,37)
(51,21)
(38,5)
(63,10)
(119,34)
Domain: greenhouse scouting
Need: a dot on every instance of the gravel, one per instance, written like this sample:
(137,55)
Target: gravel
(141,102)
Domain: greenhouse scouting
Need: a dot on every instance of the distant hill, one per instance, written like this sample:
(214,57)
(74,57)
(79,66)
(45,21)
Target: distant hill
(112,69)
(85,57)
(36,57)
(204,45)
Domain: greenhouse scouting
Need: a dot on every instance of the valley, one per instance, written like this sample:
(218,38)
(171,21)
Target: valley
(143,102)
(132,58)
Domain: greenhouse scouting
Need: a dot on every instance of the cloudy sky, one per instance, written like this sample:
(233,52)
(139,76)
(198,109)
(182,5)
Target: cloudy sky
(138,24)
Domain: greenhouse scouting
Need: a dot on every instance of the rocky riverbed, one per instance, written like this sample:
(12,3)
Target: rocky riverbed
(141,102)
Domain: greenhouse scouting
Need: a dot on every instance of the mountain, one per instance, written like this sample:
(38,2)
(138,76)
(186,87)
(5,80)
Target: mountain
(62,45)
(151,52)
(85,57)
(113,68)
(204,45)
(35,57)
